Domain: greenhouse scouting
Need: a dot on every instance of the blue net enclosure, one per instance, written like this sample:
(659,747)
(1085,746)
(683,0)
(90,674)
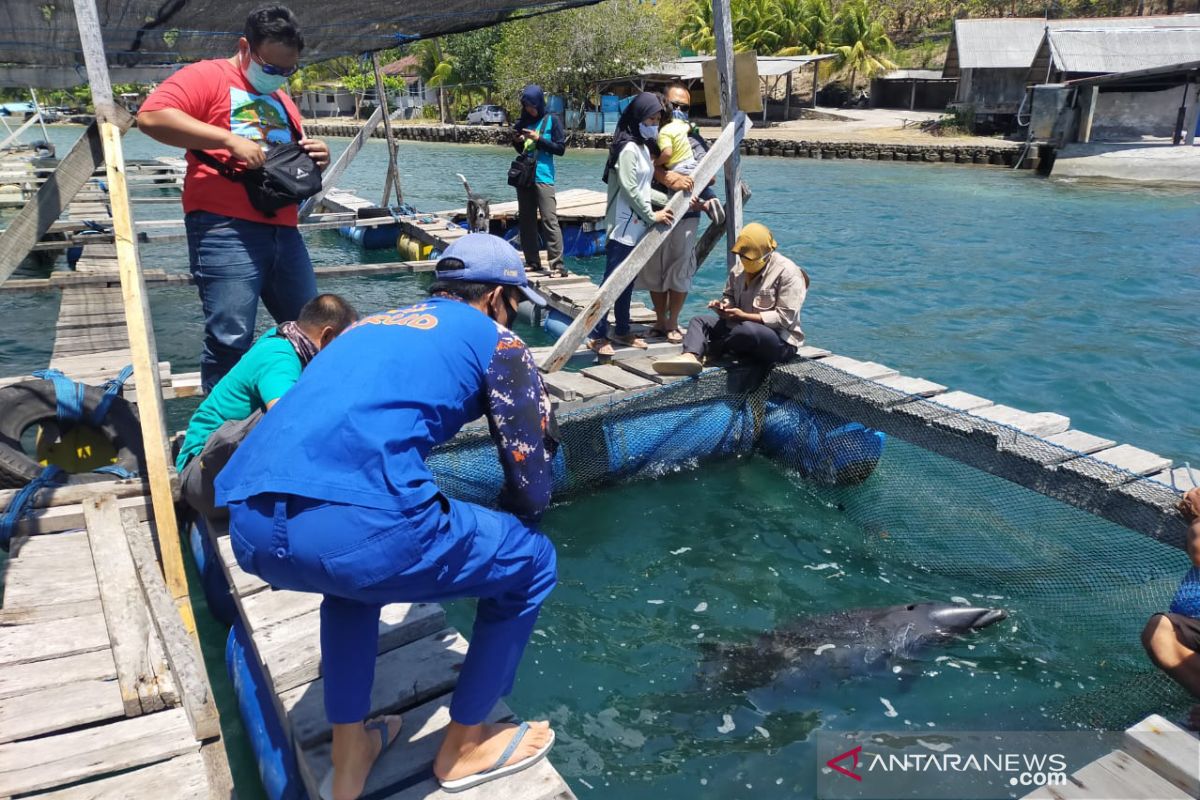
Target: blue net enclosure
(1078,547)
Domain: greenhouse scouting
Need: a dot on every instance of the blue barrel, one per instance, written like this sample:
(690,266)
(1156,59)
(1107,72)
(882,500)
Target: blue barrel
(582,241)
(610,102)
(276,760)
(556,323)
(820,446)
(672,436)
(378,237)
(212,576)
(554,104)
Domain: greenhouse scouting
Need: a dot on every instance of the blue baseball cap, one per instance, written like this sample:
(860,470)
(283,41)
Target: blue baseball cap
(485,258)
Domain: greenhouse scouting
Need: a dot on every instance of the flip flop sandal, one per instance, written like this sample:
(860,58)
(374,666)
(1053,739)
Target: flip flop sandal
(675,336)
(630,341)
(380,725)
(500,769)
(601,347)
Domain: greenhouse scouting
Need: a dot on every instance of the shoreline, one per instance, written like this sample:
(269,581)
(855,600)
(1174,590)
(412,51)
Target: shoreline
(996,154)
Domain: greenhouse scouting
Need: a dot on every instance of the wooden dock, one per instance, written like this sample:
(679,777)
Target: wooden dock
(100,680)
(1158,761)
(415,674)
(575,206)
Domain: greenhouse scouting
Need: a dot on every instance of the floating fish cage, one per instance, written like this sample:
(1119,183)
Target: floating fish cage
(580,239)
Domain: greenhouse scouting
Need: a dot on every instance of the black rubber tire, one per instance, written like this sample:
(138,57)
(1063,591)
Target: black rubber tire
(25,404)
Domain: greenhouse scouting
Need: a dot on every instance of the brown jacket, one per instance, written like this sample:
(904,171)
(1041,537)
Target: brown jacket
(777,293)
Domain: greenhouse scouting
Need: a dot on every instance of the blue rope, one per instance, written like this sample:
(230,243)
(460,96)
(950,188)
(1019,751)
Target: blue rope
(21,504)
(111,389)
(68,394)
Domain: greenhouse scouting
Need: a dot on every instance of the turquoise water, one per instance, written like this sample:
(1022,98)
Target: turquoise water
(1042,295)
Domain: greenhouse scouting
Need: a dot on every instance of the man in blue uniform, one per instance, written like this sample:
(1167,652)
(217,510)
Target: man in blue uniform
(330,494)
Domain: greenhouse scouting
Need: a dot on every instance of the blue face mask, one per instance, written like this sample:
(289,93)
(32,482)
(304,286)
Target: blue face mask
(648,131)
(680,115)
(261,81)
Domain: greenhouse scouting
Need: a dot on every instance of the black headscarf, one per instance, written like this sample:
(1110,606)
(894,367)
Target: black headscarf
(534,96)
(646,104)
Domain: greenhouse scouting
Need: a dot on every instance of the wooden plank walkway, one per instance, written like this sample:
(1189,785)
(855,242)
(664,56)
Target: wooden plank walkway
(417,668)
(574,206)
(88,686)
(1158,761)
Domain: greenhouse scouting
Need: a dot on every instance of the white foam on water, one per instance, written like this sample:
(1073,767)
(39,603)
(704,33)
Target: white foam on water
(585,783)
(656,602)
(937,747)
(891,710)
(962,601)
(726,725)
(680,551)
(896,669)
(825,565)
(701,608)
(823,648)
(762,732)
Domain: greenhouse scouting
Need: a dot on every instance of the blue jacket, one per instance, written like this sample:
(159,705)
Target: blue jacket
(359,424)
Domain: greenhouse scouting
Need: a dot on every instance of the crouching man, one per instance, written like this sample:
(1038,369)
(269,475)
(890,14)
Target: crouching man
(331,494)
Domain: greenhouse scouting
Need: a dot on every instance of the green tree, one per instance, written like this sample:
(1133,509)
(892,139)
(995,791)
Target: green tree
(863,44)
(569,52)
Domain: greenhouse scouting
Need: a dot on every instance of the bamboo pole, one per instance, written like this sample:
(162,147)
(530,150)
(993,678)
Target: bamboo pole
(393,178)
(723,30)
(137,313)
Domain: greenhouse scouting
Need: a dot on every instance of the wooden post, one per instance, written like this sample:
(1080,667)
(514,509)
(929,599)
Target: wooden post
(725,147)
(393,177)
(787,100)
(816,71)
(912,97)
(1089,113)
(723,30)
(1193,112)
(137,312)
(38,109)
(334,172)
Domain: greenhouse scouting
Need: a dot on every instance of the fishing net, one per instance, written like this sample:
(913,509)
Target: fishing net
(1087,549)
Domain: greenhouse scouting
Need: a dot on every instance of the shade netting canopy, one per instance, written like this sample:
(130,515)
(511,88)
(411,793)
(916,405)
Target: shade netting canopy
(152,32)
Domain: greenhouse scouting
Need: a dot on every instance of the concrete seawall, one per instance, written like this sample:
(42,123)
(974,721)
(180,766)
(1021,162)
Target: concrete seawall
(1002,154)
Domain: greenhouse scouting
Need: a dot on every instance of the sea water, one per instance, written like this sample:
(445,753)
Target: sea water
(1044,295)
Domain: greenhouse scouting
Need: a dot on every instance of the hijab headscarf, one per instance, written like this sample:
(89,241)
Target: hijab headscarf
(534,96)
(753,245)
(646,104)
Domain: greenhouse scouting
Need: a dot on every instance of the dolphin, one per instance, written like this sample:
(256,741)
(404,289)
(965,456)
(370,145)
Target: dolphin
(809,652)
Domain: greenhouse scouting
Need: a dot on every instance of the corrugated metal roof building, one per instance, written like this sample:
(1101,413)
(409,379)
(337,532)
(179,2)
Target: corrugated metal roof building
(1066,54)
(992,58)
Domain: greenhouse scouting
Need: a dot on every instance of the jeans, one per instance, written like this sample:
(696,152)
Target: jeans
(363,558)
(710,335)
(614,254)
(235,262)
(531,201)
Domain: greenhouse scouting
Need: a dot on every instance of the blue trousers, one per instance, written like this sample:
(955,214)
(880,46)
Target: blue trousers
(363,558)
(614,254)
(234,263)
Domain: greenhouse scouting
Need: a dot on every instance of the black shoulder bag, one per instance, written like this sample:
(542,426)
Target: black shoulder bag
(522,172)
(288,177)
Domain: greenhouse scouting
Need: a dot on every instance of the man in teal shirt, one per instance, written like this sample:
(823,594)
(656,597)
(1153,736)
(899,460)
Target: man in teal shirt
(255,384)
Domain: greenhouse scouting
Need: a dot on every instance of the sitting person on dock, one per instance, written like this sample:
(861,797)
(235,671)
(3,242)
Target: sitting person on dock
(1172,639)
(255,384)
(628,173)
(330,493)
(540,134)
(757,317)
(232,110)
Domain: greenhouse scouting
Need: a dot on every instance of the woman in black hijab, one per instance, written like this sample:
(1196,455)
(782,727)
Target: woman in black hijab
(628,173)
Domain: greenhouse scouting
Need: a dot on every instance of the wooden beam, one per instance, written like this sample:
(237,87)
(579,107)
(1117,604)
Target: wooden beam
(44,209)
(137,312)
(599,306)
(125,613)
(393,177)
(723,32)
(335,170)
(28,124)
(714,233)
(187,668)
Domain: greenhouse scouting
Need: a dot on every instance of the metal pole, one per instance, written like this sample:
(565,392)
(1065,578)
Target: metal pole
(143,351)
(393,178)
(723,33)
(38,109)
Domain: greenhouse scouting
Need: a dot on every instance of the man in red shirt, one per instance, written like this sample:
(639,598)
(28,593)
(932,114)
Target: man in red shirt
(236,109)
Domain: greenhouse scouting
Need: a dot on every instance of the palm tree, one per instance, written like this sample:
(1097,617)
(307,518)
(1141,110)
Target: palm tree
(863,45)
(436,71)
(697,30)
